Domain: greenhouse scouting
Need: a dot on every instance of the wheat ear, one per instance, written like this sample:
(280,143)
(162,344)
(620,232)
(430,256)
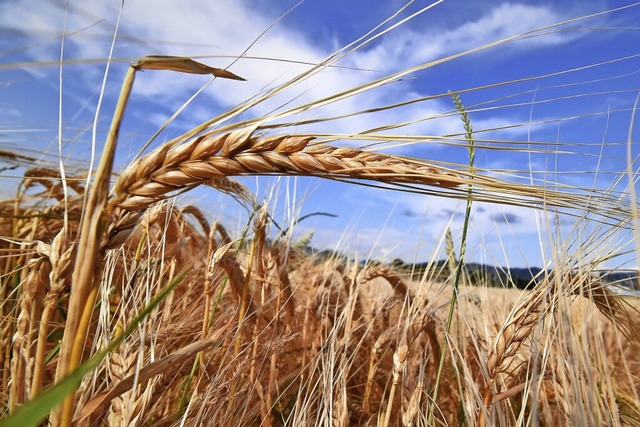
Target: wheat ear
(399,286)
(518,327)
(211,156)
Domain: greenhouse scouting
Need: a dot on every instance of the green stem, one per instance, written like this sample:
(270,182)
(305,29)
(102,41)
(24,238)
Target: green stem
(463,245)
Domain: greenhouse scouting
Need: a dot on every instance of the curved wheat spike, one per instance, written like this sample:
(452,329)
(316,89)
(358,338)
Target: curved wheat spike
(199,216)
(397,283)
(213,157)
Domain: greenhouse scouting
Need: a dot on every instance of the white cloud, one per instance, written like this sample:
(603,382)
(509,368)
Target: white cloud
(213,28)
(10,113)
(506,20)
(409,47)
(415,230)
(497,233)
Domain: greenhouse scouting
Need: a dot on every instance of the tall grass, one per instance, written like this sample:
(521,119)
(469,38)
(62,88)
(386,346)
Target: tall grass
(120,307)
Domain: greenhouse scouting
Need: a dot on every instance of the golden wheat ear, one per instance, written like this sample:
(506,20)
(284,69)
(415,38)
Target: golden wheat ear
(170,170)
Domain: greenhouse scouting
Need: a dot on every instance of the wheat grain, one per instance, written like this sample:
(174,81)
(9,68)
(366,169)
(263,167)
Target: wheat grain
(123,408)
(517,329)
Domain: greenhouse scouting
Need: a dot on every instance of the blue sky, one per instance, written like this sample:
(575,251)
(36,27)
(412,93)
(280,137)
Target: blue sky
(579,113)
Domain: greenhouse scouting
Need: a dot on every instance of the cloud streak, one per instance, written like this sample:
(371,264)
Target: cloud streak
(207,28)
(408,47)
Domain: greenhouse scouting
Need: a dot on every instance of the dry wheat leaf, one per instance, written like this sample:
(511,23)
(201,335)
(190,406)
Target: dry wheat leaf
(149,371)
(182,64)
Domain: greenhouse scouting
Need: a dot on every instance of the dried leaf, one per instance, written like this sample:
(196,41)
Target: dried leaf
(181,64)
(149,371)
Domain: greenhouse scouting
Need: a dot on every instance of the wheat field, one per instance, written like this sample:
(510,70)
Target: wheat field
(124,303)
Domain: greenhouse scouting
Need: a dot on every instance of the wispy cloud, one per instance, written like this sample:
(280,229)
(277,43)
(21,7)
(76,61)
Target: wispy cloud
(207,28)
(409,47)
(506,218)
